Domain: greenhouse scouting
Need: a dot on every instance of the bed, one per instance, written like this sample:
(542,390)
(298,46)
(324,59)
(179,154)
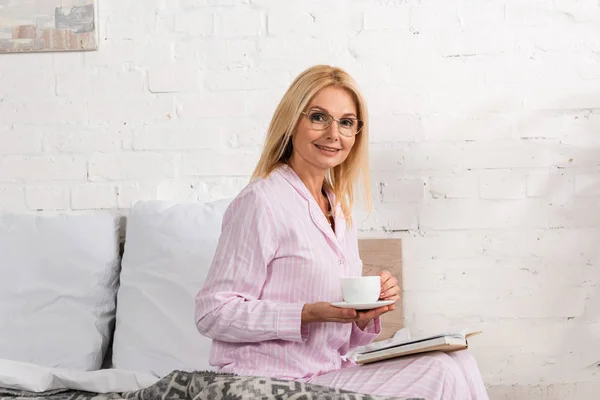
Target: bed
(164,267)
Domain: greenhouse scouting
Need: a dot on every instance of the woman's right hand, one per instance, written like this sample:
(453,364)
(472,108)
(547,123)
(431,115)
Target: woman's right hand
(325,312)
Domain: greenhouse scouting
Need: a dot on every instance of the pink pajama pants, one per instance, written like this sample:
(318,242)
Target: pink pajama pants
(432,376)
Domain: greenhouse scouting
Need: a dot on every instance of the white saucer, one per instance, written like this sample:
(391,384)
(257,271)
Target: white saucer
(363,306)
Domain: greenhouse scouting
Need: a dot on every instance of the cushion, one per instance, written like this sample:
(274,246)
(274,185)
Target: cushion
(58,283)
(168,251)
(33,378)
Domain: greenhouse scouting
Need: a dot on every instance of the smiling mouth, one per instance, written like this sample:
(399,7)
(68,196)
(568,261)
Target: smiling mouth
(330,149)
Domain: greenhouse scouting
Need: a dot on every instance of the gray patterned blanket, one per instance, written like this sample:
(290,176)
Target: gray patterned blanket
(205,386)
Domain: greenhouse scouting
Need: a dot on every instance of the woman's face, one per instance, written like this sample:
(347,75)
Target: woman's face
(324,149)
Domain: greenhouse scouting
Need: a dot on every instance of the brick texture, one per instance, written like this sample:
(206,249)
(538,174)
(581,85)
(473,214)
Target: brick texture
(484,147)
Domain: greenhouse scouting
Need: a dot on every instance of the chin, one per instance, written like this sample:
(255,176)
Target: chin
(327,164)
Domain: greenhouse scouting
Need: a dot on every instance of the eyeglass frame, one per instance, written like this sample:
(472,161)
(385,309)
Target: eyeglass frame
(362,124)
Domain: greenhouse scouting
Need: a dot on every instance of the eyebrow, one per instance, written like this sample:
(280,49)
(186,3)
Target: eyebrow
(323,109)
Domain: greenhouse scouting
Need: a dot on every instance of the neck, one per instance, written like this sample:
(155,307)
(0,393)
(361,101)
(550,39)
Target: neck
(312,177)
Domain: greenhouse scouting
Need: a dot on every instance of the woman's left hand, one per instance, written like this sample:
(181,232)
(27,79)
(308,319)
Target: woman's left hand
(389,287)
(389,291)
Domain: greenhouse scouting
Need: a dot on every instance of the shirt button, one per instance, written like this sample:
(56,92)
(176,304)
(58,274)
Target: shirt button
(340,262)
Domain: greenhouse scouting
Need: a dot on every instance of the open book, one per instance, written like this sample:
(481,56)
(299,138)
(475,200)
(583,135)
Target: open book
(396,347)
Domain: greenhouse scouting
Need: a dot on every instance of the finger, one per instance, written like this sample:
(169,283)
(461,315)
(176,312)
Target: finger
(384,311)
(394,298)
(371,315)
(374,313)
(331,313)
(391,307)
(384,275)
(341,313)
(389,284)
(391,291)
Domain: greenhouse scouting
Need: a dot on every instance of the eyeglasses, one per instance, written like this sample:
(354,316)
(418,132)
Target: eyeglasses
(347,126)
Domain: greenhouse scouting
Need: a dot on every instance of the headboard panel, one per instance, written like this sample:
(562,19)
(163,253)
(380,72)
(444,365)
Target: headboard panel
(385,254)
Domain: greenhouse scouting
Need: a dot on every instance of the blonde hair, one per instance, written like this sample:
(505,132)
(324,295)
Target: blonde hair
(343,178)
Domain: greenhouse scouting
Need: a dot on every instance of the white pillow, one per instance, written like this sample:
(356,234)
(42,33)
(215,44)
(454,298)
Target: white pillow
(33,378)
(168,251)
(58,283)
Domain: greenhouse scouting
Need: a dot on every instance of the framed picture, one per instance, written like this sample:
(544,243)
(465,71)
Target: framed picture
(47,25)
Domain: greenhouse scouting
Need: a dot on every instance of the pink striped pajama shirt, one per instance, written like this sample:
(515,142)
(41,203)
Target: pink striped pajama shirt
(276,253)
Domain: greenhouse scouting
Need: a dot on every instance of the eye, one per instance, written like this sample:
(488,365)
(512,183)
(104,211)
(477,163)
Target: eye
(347,122)
(318,117)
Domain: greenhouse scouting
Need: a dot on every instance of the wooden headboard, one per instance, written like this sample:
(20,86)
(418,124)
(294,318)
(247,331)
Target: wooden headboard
(385,254)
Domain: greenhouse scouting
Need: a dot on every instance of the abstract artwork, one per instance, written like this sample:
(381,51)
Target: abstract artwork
(47,25)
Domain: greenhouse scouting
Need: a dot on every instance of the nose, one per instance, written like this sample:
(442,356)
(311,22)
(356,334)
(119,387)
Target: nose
(333,131)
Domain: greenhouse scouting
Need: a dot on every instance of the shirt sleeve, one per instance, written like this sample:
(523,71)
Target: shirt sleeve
(228,306)
(360,337)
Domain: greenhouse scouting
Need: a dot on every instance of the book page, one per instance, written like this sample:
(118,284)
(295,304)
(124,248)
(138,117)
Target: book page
(399,342)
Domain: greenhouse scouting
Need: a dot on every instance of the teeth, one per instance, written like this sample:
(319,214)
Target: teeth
(326,148)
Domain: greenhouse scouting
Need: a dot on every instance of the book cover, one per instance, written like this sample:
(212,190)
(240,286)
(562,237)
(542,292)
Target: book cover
(392,348)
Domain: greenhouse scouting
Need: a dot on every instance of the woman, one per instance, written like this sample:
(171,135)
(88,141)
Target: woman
(288,238)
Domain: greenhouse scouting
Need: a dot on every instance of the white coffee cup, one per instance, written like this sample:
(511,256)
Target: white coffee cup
(361,289)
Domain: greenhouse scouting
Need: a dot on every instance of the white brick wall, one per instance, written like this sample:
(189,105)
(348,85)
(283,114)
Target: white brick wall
(93,196)
(47,197)
(485,145)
